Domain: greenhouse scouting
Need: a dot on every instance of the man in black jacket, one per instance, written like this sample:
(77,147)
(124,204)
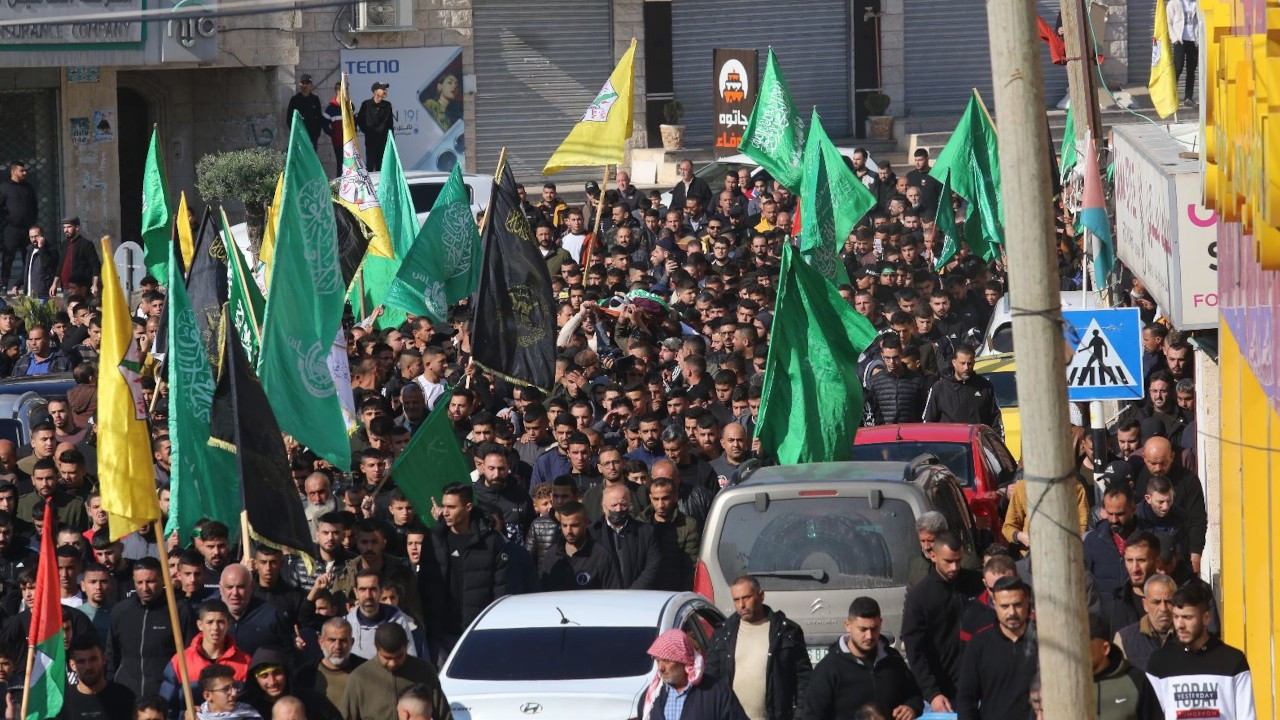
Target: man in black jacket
(860,668)
(577,562)
(931,622)
(469,569)
(1188,495)
(496,488)
(308,106)
(963,396)
(689,186)
(376,120)
(80,260)
(632,548)
(140,643)
(19,210)
(761,655)
(1000,664)
(897,394)
(40,261)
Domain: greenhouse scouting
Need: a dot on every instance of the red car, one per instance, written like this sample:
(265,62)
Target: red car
(974,453)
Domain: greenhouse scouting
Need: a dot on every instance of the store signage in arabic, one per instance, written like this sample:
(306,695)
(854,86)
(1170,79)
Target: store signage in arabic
(35,33)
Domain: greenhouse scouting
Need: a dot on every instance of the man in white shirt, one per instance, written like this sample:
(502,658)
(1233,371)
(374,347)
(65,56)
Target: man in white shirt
(575,237)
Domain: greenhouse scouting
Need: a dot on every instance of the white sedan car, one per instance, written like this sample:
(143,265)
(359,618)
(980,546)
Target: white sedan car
(573,655)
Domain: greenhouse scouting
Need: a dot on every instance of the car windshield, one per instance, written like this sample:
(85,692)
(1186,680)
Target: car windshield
(556,653)
(819,543)
(424,195)
(715,172)
(1002,339)
(1006,388)
(954,455)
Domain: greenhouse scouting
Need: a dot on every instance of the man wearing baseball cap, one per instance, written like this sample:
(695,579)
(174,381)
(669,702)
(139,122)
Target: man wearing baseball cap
(308,106)
(679,690)
(376,120)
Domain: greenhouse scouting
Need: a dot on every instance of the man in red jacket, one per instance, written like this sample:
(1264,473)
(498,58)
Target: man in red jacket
(213,645)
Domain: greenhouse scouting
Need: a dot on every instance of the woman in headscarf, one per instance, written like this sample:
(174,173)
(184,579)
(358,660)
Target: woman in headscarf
(679,690)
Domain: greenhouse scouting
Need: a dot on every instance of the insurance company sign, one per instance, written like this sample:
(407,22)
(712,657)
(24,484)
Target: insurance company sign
(27,31)
(1163,233)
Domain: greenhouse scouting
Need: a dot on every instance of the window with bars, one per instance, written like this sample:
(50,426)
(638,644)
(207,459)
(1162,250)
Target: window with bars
(31,135)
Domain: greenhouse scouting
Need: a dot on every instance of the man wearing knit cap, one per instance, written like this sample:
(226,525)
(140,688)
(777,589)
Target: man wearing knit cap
(680,691)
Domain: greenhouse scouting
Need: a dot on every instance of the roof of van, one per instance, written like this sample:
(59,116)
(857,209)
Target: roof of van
(826,472)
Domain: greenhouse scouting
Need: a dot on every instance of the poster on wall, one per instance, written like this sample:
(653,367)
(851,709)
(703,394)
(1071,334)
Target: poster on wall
(426,98)
(735,95)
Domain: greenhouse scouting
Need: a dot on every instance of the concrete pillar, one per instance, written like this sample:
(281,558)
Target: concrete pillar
(91,166)
(1208,456)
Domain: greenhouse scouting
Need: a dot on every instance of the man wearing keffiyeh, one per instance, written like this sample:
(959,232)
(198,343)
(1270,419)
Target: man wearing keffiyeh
(679,690)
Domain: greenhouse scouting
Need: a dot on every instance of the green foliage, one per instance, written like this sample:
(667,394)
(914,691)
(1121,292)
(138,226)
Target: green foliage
(34,312)
(246,176)
(876,103)
(674,112)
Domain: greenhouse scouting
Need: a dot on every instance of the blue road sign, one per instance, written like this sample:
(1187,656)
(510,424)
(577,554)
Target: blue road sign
(1107,364)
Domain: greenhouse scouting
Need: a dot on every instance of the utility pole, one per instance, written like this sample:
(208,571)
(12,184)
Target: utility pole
(1066,682)
(1081,69)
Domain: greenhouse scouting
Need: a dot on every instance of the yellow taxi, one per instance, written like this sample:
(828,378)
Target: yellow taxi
(998,369)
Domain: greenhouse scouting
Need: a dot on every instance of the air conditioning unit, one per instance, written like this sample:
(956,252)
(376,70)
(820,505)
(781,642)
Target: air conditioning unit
(383,16)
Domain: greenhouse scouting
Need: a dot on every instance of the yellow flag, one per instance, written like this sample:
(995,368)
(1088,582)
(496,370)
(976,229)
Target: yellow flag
(126,477)
(355,189)
(183,222)
(1163,83)
(268,249)
(597,139)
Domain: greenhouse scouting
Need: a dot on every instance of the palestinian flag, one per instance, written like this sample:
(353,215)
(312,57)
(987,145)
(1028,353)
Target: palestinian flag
(49,668)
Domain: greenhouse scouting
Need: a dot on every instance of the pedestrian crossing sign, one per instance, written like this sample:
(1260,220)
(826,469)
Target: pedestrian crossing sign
(1107,364)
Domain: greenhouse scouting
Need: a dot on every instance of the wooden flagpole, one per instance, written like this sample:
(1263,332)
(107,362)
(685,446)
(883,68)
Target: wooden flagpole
(26,679)
(595,230)
(180,654)
(497,180)
(985,111)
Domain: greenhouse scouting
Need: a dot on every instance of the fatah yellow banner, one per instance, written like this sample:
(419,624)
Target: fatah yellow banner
(182,221)
(1163,83)
(126,476)
(597,139)
(355,189)
(268,249)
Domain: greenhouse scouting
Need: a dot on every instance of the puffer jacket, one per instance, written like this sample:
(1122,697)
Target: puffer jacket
(544,532)
(483,563)
(896,398)
(515,505)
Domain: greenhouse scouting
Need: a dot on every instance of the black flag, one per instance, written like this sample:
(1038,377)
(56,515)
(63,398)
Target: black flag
(515,320)
(353,242)
(241,421)
(207,281)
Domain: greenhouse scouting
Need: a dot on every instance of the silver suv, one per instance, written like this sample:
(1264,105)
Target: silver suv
(818,535)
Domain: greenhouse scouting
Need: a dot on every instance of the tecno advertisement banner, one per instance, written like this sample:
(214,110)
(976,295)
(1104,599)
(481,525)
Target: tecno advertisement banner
(1163,234)
(735,83)
(426,98)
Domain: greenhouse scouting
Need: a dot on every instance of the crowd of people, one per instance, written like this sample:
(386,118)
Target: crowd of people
(604,482)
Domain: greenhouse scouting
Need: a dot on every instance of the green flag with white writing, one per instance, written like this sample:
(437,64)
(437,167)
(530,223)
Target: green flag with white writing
(811,402)
(431,461)
(971,160)
(402,222)
(774,135)
(832,200)
(304,308)
(157,211)
(202,480)
(443,265)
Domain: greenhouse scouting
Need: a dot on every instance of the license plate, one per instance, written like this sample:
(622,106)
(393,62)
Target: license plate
(816,654)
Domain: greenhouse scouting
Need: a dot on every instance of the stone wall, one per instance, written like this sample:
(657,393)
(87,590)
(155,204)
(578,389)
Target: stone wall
(893,54)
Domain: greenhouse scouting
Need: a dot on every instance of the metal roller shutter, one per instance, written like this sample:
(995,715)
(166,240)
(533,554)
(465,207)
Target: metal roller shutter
(948,54)
(812,45)
(538,65)
(1141,27)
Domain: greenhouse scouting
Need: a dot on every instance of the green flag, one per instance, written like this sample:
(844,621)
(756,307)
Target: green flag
(1068,153)
(972,161)
(157,213)
(402,222)
(245,299)
(304,308)
(812,399)
(832,200)
(774,135)
(202,479)
(443,261)
(944,223)
(431,461)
